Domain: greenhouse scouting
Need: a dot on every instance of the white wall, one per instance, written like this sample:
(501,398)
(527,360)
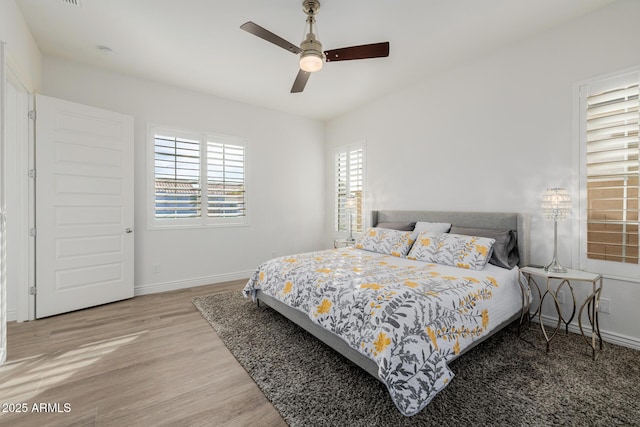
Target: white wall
(285,176)
(23,55)
(493,134)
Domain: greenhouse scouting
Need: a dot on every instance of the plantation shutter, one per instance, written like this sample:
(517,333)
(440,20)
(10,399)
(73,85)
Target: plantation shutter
(612,154)
(349,182)
(225,180)
(341,192)
(356,180)
(177,177)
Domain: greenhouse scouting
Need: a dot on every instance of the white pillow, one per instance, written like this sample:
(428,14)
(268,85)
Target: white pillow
(432,227)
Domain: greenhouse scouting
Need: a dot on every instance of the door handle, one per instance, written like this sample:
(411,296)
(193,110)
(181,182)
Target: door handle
(128,230)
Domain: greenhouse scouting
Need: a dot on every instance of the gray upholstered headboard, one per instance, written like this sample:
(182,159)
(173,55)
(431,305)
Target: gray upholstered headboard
(494,220)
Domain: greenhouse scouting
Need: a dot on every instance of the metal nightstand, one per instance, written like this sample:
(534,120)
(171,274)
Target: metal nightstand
(343,243)
(590,303)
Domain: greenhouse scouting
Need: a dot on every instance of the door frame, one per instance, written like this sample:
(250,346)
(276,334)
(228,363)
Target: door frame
(25,303)
(3,278)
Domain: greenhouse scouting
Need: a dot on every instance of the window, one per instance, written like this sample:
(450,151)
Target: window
(177,177)
(198,179)
(349,189)
(609,117)
(225,180)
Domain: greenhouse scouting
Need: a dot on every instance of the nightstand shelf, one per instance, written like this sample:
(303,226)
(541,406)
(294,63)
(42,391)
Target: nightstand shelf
(343,243)
(568,279)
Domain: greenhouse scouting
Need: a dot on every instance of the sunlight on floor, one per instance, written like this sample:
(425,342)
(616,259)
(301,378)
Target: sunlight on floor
(23,379)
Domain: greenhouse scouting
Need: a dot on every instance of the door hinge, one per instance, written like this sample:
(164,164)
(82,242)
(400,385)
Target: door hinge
(32,114)
(32,173)
(33,290)
(32,232)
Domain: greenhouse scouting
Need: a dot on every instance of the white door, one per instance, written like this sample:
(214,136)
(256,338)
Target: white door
(84,206)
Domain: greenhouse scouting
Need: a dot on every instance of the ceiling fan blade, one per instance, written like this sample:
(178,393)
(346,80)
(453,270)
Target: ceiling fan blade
(374,50)
(301,81)
(267,35)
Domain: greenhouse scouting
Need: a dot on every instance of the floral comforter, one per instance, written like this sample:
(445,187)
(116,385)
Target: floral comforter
(410,317)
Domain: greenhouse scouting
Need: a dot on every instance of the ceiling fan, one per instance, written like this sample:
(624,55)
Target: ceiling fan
(310,50)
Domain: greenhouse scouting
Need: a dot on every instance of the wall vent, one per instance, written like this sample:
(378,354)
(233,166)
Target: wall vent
(76,3)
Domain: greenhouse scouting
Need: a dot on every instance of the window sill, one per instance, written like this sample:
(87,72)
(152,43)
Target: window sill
(621,278)
(156,227)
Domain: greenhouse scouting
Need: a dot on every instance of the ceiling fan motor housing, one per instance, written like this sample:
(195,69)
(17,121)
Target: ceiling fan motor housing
(311,46)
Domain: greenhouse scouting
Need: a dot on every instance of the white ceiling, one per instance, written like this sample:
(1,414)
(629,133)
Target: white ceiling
(198,45)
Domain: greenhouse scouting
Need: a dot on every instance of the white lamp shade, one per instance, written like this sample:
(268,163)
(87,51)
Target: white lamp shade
(556,203)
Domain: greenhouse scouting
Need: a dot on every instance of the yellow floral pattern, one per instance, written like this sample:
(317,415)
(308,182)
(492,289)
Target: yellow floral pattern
(374,286)
(287,288)
(381,343)
(324,307)
(409,317)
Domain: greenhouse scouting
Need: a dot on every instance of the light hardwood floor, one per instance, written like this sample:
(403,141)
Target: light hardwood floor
(151,360)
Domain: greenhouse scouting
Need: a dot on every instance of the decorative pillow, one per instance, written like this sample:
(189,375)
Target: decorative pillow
(403,226)
(452,249)
(505,249)
(384,241)
(432,227)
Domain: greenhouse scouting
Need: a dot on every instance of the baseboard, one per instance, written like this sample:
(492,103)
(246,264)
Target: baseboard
(190,283)
(12,315)
(607,336)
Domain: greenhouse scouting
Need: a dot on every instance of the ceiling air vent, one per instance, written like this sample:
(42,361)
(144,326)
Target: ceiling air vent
(76,3)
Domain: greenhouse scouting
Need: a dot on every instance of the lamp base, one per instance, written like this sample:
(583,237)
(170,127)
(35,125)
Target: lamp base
(555,267)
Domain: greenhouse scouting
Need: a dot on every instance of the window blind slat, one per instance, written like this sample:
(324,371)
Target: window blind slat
(627,129)
(621,155)
(617,95)
(613,168)
(611,120)
(613,143)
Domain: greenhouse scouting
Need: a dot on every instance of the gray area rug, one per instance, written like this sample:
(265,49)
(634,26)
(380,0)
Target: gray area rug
(506,380)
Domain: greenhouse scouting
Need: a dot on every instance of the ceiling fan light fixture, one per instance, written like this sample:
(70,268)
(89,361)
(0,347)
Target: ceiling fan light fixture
(311,61)
(311,57)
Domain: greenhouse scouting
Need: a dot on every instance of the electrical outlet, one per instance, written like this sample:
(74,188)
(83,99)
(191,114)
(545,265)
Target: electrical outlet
(155,268)
(560,297)
(604,306)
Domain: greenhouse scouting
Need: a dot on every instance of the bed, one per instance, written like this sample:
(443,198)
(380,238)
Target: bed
(402,303)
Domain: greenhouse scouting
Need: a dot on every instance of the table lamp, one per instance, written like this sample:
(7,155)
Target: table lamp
(556,205)
(351,205)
